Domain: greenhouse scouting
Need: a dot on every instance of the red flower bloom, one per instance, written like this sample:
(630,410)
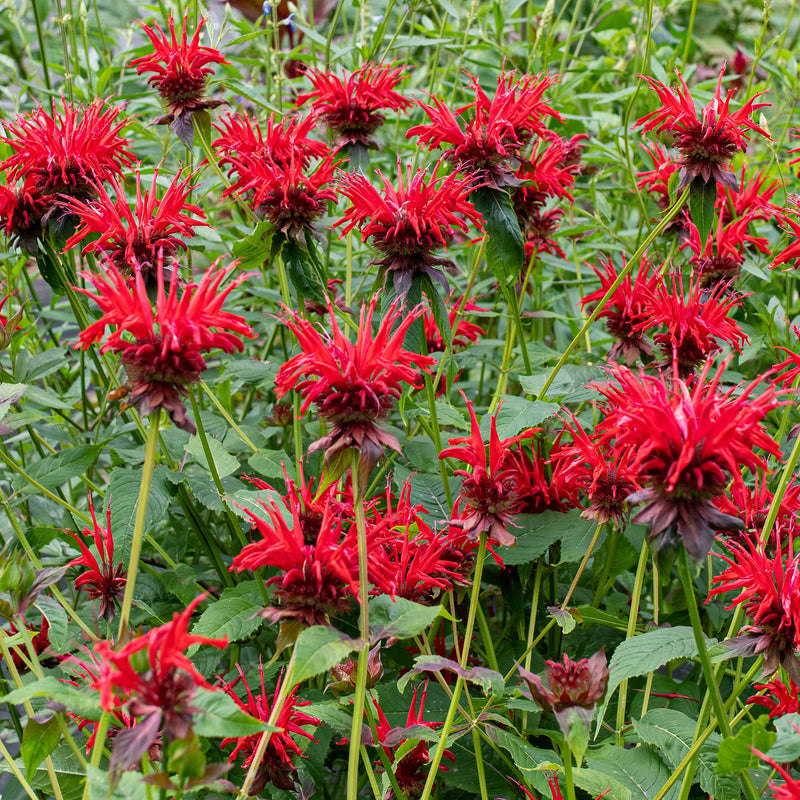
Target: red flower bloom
(408,223)
(277,765)
(753,505)
(8,325)
(785,791)
(411,770)
(291,198)
(165,356)
(280,142)
(686,444)
(752,200)
(23,215)
(769,591)
(353,385)
(406,557)
(180,71)
(69,153)
(570,687)
(720,258)
(656,180)
(545,174)
(540,229)
(707,144)
(84,674)
(489,146)
(135,239)
(488,494)
(350,104)
(319,561)
(627,312)
(101,580)
(155,680)
(606,476)
(695,323)
(778,698)
(790,218)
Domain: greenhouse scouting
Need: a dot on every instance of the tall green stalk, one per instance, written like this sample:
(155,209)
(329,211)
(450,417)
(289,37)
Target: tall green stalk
(150,453)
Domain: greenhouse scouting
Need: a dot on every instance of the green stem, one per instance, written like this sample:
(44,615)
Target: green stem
(150,453)
(359,697)
(451,712)
(12,765)
(476,742)
(582,565)
(228,418)
(688,40)
(526,359)
(634,261)
(37,18)
(568,779)
(636,597)
(712,686)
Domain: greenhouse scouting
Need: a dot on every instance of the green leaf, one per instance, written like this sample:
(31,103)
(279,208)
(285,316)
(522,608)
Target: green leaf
(251,371)
(319,648)
(564,618)
(639,769)
(505,247)
(646,653)
(305,272)
(672,733)
(130,786)
(39,739)
(736,753)
(225,463)
(702,197)
(54,470)
(57,617)
(220,716)
(597,783)
(84,702)
(787,742)
(10,393)
(255,249)
(536,532)
(123,498)
(525,757)
(439,310)
(234,615)
(33,368)
(516,414)
(270,463)
(400,617)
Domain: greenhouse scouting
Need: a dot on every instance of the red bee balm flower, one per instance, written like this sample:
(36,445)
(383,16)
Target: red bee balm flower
(181,69)
(490,491)
(707,144)
(67,153)
(354,385)
(769,590)
(165,356)
(489,147)
(277,765)
(318,561)
(157,681)
(350,104)
(777,697)
(686,444)
(136,238)
(408,223)
(570,687)
(101,580)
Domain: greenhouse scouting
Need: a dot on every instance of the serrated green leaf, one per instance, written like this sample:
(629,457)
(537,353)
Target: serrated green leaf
(33,368)
(220,716)
(83,701)
(271,463)
(251,370)
(225,463)
(129,787)
(536,532)
(234,614)
(10,393)
(39,739)
(516,414)
(318,649)
(525,757)
(123,497)
(505,247)
(305,272)
(598,783)
(564,618)
(56,469)
(639,770)
(489,680)
(672,733)
(646,653)
(57,618)
(254,250)
(736,752)
(400,617)
(702,197)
